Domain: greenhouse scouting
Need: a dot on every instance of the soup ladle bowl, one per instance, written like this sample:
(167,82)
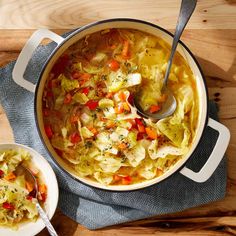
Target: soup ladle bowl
(169,106)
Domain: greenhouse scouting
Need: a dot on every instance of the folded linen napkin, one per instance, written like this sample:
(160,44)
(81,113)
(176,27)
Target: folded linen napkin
(97,208)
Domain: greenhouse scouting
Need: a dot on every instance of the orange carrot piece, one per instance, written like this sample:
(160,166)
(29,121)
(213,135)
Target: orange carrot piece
(159,172)
(141,128)
(126,180)
(109,95)
(74,118)
(113,65)
(125,51)
(93,130)
(68,98)
(151,133)
(10,176)
(117,178)
(122,96)
(154,108)
(119,109)
(122,146)
(85,76)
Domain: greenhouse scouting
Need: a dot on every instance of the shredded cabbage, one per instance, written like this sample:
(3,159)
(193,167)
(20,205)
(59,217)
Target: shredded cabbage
(118,80)
(99,132)
(14,204)
(103,178)
(135,155)
(68,84)
(148,170)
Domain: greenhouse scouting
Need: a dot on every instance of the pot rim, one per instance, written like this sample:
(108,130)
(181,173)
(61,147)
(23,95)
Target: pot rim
(78,30)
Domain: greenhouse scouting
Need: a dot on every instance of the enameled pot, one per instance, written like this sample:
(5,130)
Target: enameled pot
(63,43)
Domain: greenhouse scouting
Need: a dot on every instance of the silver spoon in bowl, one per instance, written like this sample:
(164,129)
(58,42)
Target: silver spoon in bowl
(22,170)
(169,106)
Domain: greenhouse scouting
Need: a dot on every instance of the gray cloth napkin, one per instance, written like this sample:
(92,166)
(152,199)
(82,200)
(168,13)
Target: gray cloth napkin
(97,208)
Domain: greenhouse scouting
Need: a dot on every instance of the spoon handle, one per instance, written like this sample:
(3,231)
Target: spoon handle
(46,221)
(186,10)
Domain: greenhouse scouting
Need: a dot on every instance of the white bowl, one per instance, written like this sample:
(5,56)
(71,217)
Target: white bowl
(32,228)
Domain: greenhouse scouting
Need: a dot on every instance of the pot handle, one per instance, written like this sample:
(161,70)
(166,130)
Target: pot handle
(216,156)
(26,54)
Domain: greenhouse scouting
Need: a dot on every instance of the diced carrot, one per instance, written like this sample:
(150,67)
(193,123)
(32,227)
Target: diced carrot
(141,128)
(151,133)
(93,130)
(10,176)
(29,186)
(125,51)
(68,98)
(159,172)
(131,121)
(117,178)
(119,109)
(103,119)
(113,65)
(109,95)
(42,188)
(169,163)
(122,96)
(154,108)
(74,118)
(126,180)
(126,106)
(122,146)
(85,76)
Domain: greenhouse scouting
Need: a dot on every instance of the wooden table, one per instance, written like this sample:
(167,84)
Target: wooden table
(211,35)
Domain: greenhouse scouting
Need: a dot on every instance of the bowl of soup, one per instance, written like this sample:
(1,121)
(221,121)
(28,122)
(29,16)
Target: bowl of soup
(85,113)
(18,212)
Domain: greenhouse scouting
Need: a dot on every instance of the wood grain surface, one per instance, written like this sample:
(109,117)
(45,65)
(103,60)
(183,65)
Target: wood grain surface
(60,14)
(211,35)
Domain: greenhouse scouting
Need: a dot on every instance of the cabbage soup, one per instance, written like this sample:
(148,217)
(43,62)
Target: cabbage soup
(88,110)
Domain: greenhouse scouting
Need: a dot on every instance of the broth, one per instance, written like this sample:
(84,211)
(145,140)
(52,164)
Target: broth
(88,109)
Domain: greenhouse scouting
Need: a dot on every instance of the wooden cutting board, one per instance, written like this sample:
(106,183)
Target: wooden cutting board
(211,35)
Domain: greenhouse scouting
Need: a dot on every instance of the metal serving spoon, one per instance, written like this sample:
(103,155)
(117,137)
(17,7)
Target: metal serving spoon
(30,177)
(169,106)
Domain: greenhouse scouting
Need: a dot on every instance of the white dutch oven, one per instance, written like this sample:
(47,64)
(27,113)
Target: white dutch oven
(63,43)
